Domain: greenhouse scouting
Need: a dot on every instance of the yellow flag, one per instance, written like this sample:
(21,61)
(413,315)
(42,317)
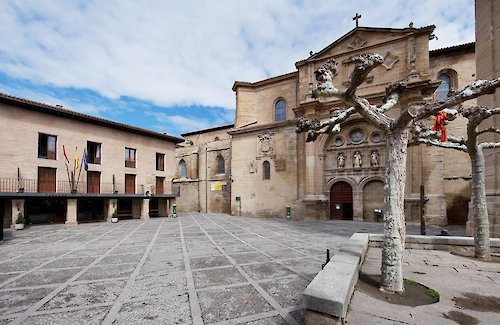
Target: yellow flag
(76,158)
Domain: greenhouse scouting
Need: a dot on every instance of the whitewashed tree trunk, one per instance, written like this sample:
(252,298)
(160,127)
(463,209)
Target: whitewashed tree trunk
(480,211)
(394,228)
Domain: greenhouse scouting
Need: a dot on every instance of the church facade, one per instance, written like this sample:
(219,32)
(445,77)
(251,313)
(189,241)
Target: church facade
(340,176)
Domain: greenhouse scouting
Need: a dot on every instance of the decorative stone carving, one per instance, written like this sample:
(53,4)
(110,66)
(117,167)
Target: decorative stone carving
(341,160)
(357,160)
(280,164)
(265,144)
(390,60)
(357,135)
(252,167)
(356,42)
(374,158)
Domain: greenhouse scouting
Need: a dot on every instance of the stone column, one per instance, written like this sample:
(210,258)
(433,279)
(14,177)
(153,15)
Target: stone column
(17,207)
(357,204)
(71,212)
(109,208)
(145,209)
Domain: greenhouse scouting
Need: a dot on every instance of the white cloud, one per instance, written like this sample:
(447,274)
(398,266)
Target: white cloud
(190,52)
(179,123)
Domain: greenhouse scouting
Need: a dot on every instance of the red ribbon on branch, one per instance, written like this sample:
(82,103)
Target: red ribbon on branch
(439,125)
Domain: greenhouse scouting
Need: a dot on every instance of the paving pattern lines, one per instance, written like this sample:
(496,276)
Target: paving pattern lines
(48,234)
(268,298)
(127,290)
(40,266)
(23,316)
(268,255)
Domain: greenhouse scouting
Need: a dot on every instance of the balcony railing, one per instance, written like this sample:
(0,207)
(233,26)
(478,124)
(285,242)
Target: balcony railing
(12,185)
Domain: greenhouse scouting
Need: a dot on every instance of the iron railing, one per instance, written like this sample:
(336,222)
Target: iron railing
(13,185)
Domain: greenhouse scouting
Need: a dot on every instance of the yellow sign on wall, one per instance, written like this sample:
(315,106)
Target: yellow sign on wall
(217,186)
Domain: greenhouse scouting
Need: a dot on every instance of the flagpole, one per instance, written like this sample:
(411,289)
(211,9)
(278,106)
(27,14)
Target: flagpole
(80,171)
(69,177)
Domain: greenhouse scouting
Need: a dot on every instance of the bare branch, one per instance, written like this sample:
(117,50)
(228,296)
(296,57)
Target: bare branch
(332,125)
(324,76)
(437,143)
(421,131)
(489,145)
(363,65)
(473,90)
(393,92)
(492,130)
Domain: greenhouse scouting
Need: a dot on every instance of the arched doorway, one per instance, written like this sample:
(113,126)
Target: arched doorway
(373,198)
(341,201)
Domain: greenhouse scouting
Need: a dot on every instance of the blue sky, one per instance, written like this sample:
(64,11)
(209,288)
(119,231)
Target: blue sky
(169,66)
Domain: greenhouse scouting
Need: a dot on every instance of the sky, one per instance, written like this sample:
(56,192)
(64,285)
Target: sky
(169,65)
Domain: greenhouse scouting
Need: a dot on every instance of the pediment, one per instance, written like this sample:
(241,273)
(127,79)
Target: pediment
(363,38)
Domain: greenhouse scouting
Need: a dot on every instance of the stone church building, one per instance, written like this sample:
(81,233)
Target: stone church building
(259,165)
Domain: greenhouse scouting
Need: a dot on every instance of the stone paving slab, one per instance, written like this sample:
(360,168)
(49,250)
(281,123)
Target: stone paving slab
(195,269)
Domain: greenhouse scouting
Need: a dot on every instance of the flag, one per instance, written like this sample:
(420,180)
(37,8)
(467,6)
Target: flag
(65,155)
(76,157)
(85,162)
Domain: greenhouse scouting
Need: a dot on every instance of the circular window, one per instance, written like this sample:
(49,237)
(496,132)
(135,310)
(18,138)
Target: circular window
(338,141)
(357,135)
(376,137)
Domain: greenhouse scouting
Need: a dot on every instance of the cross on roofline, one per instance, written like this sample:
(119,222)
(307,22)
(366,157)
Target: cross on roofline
(356,18)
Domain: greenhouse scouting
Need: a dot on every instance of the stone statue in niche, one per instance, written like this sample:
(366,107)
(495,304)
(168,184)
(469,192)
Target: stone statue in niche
(357,161)
(341,160)
(252,167)
(374,159)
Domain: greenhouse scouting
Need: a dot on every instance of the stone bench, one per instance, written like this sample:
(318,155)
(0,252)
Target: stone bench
(327,297)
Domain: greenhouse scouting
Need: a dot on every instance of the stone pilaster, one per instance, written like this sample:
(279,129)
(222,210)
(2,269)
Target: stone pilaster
(71,212)
(145,209)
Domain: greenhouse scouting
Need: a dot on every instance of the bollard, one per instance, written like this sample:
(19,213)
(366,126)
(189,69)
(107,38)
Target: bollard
(174,210)
(288,212)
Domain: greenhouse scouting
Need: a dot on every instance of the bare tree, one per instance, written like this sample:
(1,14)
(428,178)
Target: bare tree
(471,145)
(397,133)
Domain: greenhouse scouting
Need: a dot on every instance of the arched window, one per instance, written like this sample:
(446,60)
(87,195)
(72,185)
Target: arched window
(444,87)
(183,168)
(280,111)
(221,166)
(266,166)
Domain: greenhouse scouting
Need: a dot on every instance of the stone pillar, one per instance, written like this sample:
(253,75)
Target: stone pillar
(109,208)
(17,207)
(145,209)
(136,208)
(71,212)
(163,208)
(357,204)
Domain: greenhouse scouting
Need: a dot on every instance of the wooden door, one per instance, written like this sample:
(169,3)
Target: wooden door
(129,184)
(93,182)
(46,179)
(341,201)
(160,181)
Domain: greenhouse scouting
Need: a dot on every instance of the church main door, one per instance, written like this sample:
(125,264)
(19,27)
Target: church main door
(341,201)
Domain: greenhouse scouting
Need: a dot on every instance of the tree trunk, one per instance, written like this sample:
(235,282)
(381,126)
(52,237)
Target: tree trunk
(480,210)
(394,227)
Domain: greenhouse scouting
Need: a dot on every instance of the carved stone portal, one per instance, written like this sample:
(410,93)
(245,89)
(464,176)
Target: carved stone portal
(265,144)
